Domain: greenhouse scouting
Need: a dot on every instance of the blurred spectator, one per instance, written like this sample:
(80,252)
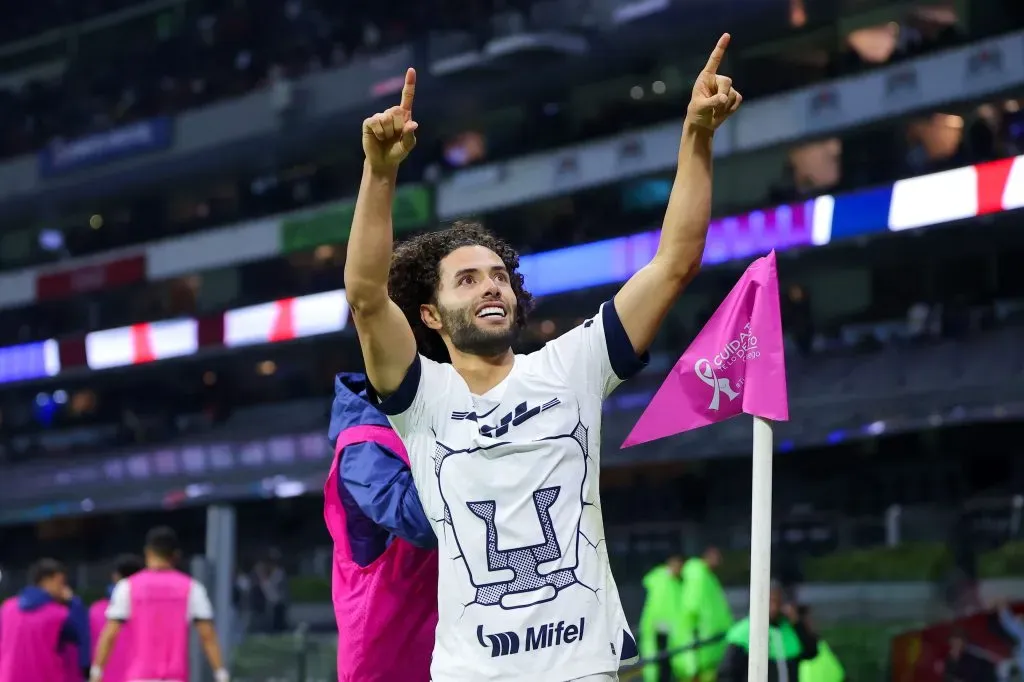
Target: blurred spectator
(796,316)
(661,620)
(787,569)
(825,667)
(707,614)
(962,584)
(242,598)
(792,643)
(920,321)
(271,582)
(964,664)
(1012,626)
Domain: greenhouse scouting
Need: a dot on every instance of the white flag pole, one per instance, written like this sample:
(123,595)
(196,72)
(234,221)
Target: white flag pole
(760,550)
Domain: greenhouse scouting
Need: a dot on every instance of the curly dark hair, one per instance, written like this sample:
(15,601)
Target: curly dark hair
(416,274)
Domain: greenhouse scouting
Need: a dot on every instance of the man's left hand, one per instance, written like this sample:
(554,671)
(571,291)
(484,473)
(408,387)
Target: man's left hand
(713,99)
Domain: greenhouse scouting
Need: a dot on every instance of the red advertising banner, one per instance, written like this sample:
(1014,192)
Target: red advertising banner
(138,344)
(921,655)
(93,277)
(141,343)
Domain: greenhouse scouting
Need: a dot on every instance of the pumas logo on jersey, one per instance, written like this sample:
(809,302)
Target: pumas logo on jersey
(534,639)
(521,414)
(517,554)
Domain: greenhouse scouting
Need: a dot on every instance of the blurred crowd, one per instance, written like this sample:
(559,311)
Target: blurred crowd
(261,596)
(930,143)
(688,630)
(176,55)
(187,54)
(925,144)
(115,411)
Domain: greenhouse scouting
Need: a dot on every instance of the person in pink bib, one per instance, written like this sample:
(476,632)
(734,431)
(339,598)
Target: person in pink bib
(116,668)
(41,628)
(158,603)
(384,584)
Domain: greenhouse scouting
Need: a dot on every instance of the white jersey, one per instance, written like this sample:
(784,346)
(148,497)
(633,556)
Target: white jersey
(120,605)
(509,480)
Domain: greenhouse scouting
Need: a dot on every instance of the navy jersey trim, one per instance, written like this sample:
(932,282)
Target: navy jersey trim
(402,399)
(625,362)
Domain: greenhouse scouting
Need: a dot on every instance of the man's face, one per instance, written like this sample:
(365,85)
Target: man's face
(713,558)
(476,307)
(55,585)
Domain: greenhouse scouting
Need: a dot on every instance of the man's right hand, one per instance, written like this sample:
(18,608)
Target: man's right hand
(389,136)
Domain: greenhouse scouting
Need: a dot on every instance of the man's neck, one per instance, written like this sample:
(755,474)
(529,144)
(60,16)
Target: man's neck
(158,565)
(480,373)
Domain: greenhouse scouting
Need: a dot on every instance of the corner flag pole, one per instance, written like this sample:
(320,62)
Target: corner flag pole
(760,550)
(748,324)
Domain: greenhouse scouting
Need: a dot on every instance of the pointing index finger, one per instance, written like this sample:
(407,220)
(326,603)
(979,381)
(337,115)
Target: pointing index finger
(409,89)
(717,54)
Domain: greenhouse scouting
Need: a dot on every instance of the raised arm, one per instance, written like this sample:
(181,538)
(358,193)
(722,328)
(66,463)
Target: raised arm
(385,337)
(645,299)
(76,628)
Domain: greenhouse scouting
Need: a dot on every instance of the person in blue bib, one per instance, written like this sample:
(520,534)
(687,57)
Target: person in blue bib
(790,642)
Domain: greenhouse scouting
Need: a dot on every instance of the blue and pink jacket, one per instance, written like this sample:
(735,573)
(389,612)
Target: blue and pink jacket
(384,578)
(43,639)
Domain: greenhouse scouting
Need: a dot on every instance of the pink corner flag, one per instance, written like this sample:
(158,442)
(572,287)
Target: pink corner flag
(736,364)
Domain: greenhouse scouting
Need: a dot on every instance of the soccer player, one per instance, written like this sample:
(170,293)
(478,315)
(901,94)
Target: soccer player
(115,670)
(384,583)
(38,627)
(160,602)
(504,448)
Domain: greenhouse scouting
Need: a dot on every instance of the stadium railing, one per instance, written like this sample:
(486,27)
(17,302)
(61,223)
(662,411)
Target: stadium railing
(636,671)
(299,656)
(862,644)
(302,656)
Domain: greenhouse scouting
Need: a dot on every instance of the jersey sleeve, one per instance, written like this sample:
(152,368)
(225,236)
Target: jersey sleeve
(412,408)
(381,485)
(199,606)
(120,604)
(76,630)
(596,356)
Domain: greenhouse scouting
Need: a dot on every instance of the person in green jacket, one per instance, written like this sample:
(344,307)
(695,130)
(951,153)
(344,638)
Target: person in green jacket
(661,618)
(707,617)
(825,667)
(790,643)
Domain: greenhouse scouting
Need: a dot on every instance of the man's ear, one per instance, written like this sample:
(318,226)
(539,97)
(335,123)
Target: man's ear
(430,316)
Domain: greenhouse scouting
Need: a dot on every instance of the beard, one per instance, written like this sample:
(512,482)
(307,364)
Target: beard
(468,338)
